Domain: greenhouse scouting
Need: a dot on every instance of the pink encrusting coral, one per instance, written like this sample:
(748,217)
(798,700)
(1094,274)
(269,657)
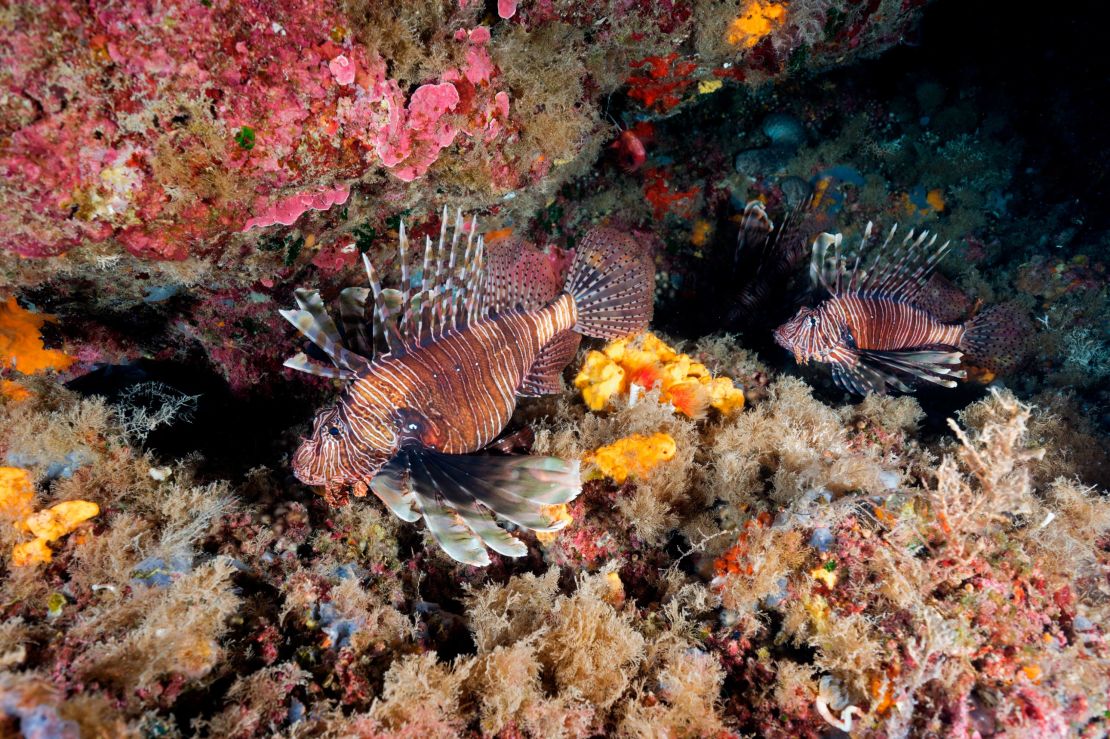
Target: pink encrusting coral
(287,210)
(165,128)
(169,129)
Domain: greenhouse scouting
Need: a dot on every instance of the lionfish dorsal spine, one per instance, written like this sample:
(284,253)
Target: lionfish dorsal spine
(448,310)
(312,320)
(821,271)
(383,325)
(353,320)
(448,296)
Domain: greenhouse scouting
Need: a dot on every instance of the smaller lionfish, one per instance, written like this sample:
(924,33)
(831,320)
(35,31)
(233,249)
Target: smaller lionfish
(878,329)
(466,334)
(767,258)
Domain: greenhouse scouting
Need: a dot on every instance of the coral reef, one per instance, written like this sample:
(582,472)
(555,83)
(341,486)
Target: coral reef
(753,552)
(781,570)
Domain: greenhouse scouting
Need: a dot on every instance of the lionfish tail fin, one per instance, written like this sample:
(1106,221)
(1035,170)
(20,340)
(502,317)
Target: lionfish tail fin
(612,282)
(459,495)
(998,338)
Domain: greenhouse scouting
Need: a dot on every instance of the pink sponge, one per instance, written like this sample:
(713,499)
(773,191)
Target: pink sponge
(414,137)
(287,210)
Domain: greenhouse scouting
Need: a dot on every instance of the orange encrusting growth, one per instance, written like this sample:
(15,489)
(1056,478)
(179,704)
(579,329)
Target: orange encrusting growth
(21,341)
(633,456)
(13,391)
(647,363)
(755,23)
(16,493)
(47,525)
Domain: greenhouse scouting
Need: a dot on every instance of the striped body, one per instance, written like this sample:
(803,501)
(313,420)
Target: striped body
(459,390)
(841,326)
(888,325)
(875,330)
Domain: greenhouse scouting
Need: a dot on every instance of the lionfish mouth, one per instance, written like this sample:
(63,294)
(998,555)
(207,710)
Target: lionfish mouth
(302,466)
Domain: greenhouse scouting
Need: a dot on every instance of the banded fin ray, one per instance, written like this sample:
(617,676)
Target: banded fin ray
(444,291)
(459,495)
(455,489)
(515,488)
(544,375)
(478,521)
(394,489)
(302,363)
(443,522)
(863,379)
(938,367)
(312,320)
(440,294)
(898,272)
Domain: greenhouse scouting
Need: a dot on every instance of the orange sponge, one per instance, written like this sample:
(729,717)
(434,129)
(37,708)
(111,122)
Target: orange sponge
(21,343)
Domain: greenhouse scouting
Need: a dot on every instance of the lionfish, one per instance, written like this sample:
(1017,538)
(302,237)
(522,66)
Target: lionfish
(464,336)
(878,329)
(767,257)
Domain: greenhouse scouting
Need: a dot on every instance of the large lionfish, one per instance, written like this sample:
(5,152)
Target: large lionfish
(466,335)
(877,330)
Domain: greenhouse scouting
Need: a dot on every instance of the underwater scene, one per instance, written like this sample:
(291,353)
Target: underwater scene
(543,368)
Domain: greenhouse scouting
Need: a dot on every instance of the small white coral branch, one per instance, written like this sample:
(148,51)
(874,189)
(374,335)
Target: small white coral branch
(829,698)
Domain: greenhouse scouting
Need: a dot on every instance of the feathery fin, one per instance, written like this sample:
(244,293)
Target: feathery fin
(612,281)
(544,375)
(998,338)
(453,493)
(899,272)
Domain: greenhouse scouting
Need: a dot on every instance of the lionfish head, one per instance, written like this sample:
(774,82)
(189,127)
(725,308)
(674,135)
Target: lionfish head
(335,454)
(801,335)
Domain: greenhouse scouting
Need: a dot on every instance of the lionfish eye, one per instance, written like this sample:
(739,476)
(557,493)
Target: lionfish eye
(412,427)
(333,430)
(812,321)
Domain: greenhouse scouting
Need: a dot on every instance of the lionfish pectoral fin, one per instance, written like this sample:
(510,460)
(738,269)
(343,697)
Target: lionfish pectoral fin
(443,521)
(936,366)
(858,373)
(544,376)
(862,379)
(395,491)
(456,522)
(516,488)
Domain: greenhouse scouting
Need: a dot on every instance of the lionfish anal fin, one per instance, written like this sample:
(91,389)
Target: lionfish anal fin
(543,377)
